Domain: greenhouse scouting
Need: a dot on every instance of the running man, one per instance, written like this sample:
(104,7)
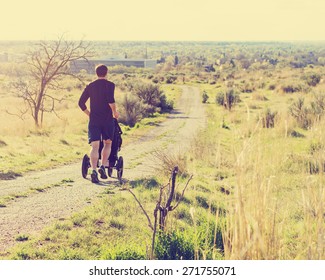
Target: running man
(101,123)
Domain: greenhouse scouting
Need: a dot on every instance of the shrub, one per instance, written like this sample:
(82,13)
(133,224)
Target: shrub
(291,88)
(205,97)
(22,237)
(173,246)
(296,134)
(312,79)
(318,105)
(171,79)
(165,105)
(145,100)
(315,162)
(148,93)
(227,99)
(151,95)
(268,118)
(132,110)
(301,113)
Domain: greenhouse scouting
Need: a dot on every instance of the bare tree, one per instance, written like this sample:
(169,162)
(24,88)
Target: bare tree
(163,206)
(48,63)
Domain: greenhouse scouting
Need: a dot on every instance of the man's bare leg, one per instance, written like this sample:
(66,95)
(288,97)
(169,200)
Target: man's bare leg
(94,154)
(94,160)
(106,151)
(105,154)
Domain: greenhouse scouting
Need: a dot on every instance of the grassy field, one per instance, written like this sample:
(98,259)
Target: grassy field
(253,196)
(273,179)
(257,190)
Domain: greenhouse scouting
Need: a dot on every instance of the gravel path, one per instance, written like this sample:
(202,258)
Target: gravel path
(68,192)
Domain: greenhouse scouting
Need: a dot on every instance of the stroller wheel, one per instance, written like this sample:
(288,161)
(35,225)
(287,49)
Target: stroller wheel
(85,165)
(119,168)
(109,171)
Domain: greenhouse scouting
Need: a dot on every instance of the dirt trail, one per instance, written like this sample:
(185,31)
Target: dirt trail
(69,192)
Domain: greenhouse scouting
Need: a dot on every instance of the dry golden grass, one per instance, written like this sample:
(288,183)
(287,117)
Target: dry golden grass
(28,148)
(275,205)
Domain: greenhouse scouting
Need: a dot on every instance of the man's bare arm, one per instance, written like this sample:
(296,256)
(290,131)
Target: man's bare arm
(87,112)
(113,107)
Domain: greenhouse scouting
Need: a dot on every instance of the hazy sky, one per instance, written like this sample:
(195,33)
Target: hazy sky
(211,20)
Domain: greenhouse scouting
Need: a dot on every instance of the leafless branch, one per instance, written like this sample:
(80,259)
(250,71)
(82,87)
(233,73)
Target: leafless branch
(143,210)
(182,195)
(155,213)
(172,190)
(20,115)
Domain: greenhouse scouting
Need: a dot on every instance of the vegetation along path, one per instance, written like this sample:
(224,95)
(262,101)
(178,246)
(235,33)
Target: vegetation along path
(35,200)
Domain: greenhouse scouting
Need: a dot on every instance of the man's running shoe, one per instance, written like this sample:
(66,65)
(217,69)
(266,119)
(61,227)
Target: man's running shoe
(102,172)
(94,177)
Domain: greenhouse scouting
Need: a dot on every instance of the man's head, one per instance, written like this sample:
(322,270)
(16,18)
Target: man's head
(101,71)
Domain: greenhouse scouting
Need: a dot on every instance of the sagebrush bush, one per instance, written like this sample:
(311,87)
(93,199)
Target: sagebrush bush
(268,118)
(227,99)
(149,94)
(318,105)
(153,97)
(312,79)
(301,113)
(294,86)
(132,110)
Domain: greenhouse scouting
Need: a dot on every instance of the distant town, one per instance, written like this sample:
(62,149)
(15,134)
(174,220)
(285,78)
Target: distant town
(89,65)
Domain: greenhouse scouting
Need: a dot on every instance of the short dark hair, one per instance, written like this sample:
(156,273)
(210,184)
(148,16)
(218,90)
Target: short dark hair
(101,70)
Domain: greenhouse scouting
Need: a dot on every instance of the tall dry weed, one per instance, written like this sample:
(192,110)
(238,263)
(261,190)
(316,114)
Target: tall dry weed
(313,237)
(273,214)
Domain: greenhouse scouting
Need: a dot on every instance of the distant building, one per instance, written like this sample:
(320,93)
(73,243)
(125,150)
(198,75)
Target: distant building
(90,65)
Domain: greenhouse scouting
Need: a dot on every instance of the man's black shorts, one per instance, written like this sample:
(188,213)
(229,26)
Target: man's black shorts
(101,132)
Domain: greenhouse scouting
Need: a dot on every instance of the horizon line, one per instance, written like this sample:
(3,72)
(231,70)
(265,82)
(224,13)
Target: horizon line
(185,40)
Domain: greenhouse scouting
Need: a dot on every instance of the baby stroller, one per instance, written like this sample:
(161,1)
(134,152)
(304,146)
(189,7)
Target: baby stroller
(115,161)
